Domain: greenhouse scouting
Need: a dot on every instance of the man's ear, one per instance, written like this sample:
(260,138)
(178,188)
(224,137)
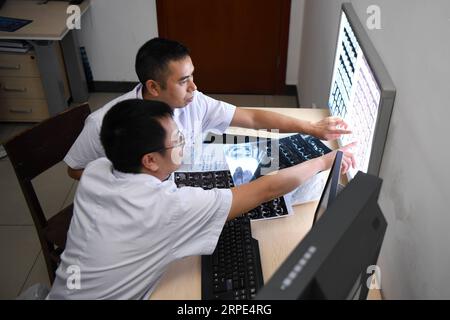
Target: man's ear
(149,162)
(153,88)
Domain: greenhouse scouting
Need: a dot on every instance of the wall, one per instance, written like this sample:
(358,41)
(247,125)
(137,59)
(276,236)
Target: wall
(317,55)
(413,44)
(113,30)
(295,35)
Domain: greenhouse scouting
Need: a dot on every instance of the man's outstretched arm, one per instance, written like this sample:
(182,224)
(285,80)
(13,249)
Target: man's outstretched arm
(329,128)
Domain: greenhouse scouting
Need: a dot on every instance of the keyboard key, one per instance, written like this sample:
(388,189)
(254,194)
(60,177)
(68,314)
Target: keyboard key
(224,296)
(229,284)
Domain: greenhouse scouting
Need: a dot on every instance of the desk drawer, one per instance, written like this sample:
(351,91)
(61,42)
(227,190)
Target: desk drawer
(21,88)
(23,110)
(18,65)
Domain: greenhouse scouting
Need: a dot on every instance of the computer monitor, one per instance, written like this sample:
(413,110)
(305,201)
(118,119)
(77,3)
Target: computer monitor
(330,189)
(335,259)
(361,92)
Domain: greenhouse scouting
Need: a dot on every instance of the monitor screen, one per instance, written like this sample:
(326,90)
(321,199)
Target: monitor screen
(331,187)
(334,259)
(361,93)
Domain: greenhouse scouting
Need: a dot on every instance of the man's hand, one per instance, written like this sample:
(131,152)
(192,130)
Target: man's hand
(348,159)
(329,128)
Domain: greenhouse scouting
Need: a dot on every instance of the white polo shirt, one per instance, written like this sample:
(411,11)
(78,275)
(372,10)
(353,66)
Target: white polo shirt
(202,115)
(127,228)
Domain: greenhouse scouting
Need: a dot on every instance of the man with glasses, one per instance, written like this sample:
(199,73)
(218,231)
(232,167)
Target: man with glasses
(130,222)
(166,73)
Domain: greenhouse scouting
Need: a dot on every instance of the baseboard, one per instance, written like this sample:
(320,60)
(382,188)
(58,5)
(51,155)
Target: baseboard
(291,90)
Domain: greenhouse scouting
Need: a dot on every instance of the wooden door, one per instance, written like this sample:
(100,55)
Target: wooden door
(237,46)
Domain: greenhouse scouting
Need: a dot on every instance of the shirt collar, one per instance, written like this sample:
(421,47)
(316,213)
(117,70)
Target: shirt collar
(138,91)
(144,177)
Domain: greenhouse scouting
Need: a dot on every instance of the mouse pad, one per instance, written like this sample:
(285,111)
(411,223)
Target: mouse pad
(12,24)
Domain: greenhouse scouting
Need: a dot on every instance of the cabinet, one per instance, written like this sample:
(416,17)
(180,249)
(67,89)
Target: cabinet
(22,96)
(48,35)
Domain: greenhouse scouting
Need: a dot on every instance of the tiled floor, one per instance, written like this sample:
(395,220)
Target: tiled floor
(22,263)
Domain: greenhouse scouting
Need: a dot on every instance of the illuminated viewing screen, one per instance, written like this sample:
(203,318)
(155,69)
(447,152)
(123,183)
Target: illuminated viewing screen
(354,95)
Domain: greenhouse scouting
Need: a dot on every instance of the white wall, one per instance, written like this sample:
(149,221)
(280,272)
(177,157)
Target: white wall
(112,32)
(317,51)
(295,35)
(413,44)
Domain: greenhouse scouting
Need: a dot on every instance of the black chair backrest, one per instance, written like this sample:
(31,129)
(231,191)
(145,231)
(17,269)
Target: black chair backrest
(31,153)
(41,147)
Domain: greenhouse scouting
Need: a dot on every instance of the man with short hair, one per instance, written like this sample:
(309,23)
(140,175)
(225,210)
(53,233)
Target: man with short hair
(130,222)
(166,73)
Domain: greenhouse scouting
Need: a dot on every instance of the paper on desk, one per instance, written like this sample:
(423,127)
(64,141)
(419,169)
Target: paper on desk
(207,157)
(310,190)
(212,158)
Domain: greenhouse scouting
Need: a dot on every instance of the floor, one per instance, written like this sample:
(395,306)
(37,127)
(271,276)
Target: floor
(22,263)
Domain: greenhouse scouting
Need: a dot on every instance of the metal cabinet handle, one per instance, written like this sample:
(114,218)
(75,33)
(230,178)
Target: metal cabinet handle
(20,110)
(15,89)
(5,67)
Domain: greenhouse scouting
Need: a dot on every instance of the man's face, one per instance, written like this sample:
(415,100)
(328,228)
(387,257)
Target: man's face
(180,86)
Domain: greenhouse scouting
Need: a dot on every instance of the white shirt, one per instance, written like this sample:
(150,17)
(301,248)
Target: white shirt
(127,228)
(202,115)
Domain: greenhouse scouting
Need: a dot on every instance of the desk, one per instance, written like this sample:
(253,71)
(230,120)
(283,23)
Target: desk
(47,29)
(277,237)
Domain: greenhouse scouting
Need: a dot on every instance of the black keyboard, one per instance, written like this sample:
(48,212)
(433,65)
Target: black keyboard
(297,149)
(233,271)
(223,180)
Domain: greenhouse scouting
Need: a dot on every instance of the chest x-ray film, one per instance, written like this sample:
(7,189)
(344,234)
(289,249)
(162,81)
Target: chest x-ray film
(244,161)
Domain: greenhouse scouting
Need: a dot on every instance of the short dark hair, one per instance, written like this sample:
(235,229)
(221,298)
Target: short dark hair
(153,58)
(131,129)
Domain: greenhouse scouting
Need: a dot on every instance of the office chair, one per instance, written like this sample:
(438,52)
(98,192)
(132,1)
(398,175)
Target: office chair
(31,153)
